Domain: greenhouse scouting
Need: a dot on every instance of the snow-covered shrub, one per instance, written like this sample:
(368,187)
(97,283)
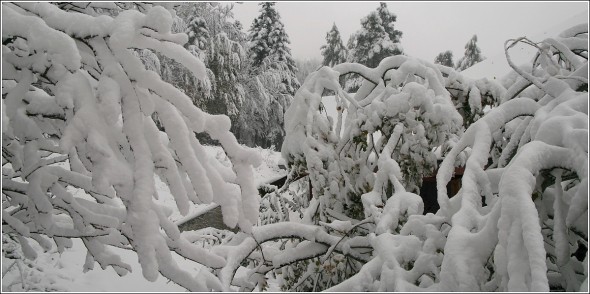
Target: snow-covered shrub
(385,145)
(74,91)
(394,122)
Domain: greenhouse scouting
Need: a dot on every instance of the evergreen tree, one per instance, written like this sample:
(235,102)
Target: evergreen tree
(445,58)
(334,51)
(472,55)
(269,46)
(265,25)
(269,80)
(197,32)
(376,40)
(387,20)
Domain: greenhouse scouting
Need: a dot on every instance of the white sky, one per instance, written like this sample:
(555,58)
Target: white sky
(428,27)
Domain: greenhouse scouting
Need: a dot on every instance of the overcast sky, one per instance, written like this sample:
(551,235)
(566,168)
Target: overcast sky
(428,27)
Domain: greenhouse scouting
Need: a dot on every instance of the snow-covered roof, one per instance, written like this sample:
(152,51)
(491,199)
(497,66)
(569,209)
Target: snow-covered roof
(496,66)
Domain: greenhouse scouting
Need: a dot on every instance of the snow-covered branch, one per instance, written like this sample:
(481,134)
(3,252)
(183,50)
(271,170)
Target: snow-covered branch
(74,87)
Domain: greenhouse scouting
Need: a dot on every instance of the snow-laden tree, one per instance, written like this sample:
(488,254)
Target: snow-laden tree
(253,96)
(194,26)
(472,55)
(261,118)
(376,40)
(334,51)
(269,80)
(74,91)
(445,58)
(394,122)
(269,46)
(197,32)
(225,56)
(268,36)
(519,224)
(387,21)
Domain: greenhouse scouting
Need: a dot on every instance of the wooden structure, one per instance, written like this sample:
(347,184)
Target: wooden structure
(428,190)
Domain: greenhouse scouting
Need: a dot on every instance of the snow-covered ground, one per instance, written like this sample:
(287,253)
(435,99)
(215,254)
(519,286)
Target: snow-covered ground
(63,272)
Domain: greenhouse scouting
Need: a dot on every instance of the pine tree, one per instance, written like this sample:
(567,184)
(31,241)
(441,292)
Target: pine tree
(387,19)
(445,58)
(376,40)
(269,80)
(334,51)
(269,45)
(472,55)
(197,33)
(263,26)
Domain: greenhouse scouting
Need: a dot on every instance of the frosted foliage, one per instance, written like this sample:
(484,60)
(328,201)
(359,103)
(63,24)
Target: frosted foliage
(269,49)
(80,89)
(268,37)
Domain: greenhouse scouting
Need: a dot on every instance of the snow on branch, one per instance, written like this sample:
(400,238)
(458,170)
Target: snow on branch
(74,87)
